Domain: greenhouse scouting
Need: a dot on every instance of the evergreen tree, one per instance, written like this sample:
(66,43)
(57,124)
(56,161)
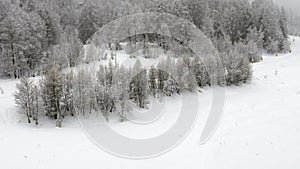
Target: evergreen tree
(163,73)
(189,76)
(68,91)
(52,92)
(138,85)
(72,46)
(124,92)
(21,36)
(200,72)
(283,23)
(25,97)
(87,22)
(52,25)
(81,88)
(152,81)
(67,12)
(238,69)
(106,97)
(180,73)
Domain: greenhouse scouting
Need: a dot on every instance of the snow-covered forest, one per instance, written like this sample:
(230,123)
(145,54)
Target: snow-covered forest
(33,32)
(51,39)
(63,88)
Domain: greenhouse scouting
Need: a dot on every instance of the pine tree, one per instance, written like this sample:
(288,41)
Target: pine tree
(25,97)
(283,20)
(87,23)
(105,87)
(119,93)
(67,11)
(273,47)
(68,91)
(179,74)
(12,33)
(52,25)
(52,92)
(152,81)
(171,85)
(100,88)
(72,45)
(190,81)
(138,85)
(189,76)
(146,52)
(124,92)
(200,72)
(238,69)
(162,75)
(21,36)
(81,86)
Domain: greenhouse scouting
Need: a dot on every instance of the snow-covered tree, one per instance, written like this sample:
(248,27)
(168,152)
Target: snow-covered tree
(72,45)
(25,97)
(67,102)
(188,77)
(21,36)
(180,66)
(237,67)
(201,74)
(273,47)
(162,75)
(138,85)
(106,90)
(67,11)
(52,92)
(153,81)
(121,92)
(87,22)
(81,85)
(252,51)
(52,25)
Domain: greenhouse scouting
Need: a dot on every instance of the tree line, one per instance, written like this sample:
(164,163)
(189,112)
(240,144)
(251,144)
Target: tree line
(114,89)
(37,34)
(39,37)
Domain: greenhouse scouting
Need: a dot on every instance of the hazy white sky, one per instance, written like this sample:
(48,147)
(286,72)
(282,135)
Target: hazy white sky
(290,4)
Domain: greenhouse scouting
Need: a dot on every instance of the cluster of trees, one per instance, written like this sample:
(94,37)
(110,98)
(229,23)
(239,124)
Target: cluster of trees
(258,25)
(44,37)
(114,89)
(37,34)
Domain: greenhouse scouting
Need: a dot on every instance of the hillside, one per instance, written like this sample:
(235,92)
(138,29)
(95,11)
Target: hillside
(260,129)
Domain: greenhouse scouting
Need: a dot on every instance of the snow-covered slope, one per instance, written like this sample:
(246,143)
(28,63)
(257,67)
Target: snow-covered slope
(260,129)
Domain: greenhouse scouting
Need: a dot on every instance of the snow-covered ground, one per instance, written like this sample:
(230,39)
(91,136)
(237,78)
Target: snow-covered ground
(260,129)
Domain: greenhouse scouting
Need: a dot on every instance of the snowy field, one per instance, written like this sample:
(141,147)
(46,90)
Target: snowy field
(260,129)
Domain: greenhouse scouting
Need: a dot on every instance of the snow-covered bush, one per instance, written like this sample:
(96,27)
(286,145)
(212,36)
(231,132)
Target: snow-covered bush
(237,67)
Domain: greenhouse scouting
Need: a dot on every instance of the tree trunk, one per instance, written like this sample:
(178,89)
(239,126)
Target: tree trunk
(28,118)
(13,60)
(58,120)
